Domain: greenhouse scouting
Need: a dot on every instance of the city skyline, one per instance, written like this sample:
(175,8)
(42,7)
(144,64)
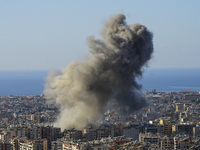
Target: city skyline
(44,35)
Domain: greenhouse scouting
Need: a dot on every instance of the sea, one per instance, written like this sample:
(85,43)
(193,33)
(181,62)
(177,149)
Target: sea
(163,80)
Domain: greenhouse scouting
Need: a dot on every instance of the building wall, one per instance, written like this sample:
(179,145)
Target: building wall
(131,132)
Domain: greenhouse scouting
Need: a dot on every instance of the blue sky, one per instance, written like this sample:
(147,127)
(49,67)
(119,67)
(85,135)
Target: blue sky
(43,35)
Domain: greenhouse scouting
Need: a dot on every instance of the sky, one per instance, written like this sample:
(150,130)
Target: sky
(49,34)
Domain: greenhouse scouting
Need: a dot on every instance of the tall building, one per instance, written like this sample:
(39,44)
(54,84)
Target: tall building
(146,128)
(35,132)
(55,133)
(104,131)
(132,132)
(89,134)
(73,134)
(166,143)
(56,145)
(182,142)
(5,146)
(165,127)
(51,134)
(196,131)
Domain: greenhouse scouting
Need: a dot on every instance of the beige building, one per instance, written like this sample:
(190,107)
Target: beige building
(182,143)
(33,145)
(5,146)
(196,131)
(166,143)
(180,107)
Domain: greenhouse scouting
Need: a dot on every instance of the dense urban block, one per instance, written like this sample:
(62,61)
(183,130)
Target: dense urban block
(169,121)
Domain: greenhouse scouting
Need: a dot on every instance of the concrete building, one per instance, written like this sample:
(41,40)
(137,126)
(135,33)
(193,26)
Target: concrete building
(149,138)
(146,128)
(51,134)
(166,143)
(72,134)
(165,127)
(5,146)
(19,131)
(33,145)
(196,131)
(104,131)
(180,107)
(56,145)
(184,128)
(182,142)
(35,132)
(132,132)
(89,134)
(69,146)
(55,133)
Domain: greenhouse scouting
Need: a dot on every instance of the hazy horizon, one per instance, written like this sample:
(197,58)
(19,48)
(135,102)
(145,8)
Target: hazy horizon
(32,82)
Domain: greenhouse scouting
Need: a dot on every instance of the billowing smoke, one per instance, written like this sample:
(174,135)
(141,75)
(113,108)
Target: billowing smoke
(84,89)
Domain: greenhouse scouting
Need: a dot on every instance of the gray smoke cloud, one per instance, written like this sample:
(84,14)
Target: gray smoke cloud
(84,89)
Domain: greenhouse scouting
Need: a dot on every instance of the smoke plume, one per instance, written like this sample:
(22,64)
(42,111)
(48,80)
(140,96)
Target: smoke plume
(84,89)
